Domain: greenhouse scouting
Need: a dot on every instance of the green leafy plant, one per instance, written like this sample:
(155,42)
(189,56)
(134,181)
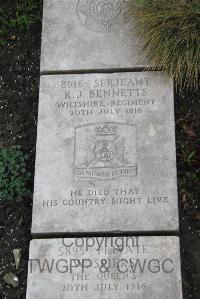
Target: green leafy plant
(188,157)
(26,13)
(170,36)
(13,173)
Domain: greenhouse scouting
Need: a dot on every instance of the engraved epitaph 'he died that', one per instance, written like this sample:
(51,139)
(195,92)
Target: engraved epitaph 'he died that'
(89,34)
(105,154)
(114,268)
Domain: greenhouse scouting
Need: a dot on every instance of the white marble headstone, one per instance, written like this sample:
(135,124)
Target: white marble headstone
(105,154)
(105,268)
(88,35)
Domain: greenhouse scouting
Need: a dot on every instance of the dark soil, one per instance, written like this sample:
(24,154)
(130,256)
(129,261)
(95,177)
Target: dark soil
(188,143)
(19,83)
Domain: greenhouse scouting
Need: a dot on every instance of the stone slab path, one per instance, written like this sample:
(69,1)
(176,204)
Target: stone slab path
(105,175)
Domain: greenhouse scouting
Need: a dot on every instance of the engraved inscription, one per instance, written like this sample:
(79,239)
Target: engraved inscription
(106,134)
(100,15)
(105,150)
(117,267)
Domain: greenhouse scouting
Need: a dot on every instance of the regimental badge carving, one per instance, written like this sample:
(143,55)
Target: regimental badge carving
(100,15)
(105,151)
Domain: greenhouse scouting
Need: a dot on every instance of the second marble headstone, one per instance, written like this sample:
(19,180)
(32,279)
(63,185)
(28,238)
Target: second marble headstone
(89,35)
(102,268)
(105,154)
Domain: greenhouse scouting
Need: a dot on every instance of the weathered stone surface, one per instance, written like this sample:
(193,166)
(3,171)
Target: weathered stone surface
(89,34)
(105,154)
(118,268)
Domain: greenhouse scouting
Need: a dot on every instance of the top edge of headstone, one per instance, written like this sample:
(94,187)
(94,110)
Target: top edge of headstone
(86,35)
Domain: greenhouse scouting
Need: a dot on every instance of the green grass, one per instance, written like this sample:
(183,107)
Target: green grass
(18,15)
(170,37)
